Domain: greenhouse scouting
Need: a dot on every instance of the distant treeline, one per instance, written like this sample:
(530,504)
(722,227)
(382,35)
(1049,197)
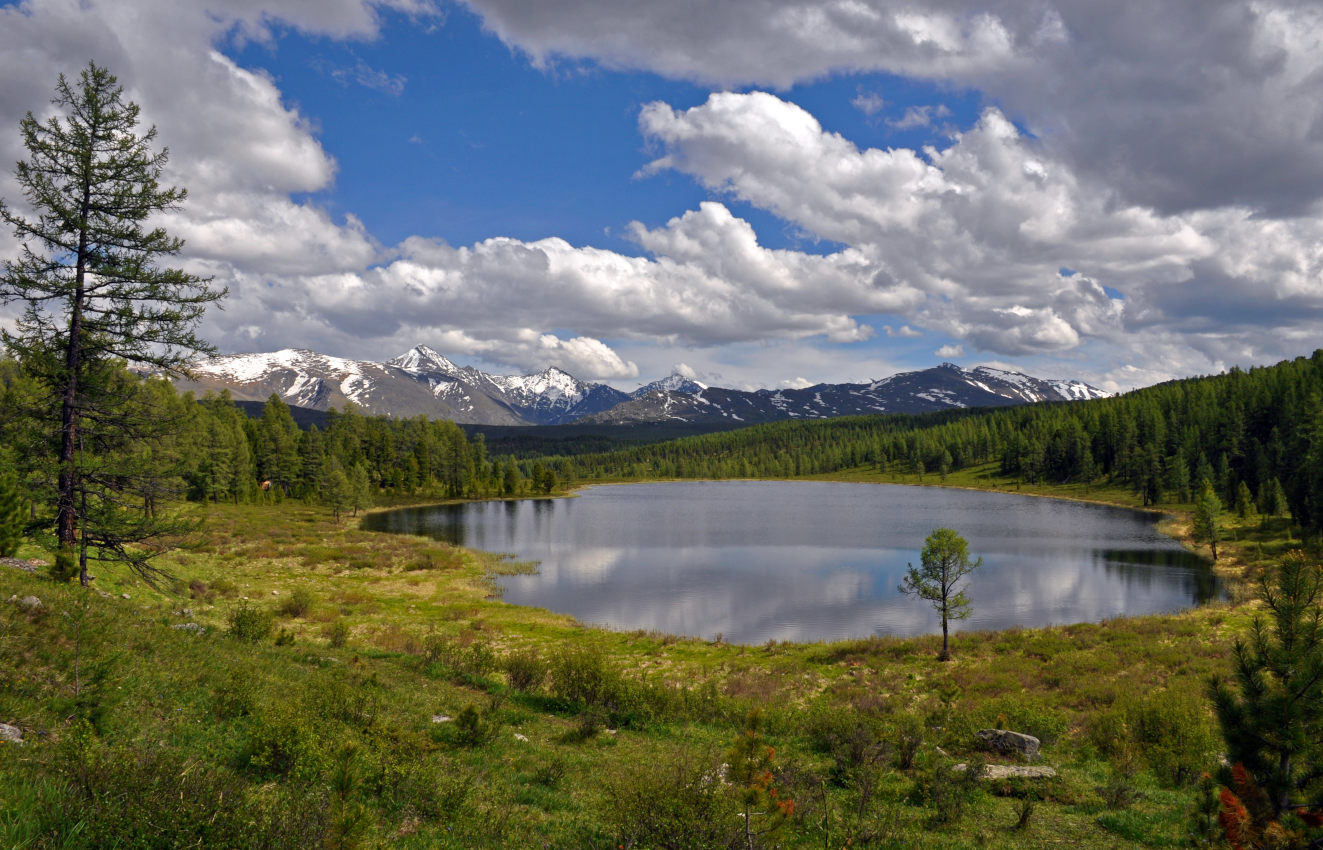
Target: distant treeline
(1257,435)
(208,449)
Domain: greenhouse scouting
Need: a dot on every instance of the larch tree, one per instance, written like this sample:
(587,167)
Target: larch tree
(944,565)
(1207,518)
(89,272)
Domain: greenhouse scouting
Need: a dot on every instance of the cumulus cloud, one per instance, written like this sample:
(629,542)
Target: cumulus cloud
(979,230)
(1176,106)
(1175,170)
(950,351)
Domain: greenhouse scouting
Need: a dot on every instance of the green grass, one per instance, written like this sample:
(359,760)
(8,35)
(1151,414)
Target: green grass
(140,734)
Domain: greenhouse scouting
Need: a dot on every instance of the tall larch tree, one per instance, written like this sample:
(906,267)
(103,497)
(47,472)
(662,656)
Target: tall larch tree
(90,274)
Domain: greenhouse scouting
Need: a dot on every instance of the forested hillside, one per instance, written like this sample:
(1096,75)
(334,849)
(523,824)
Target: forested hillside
(1257,435)
(210,450)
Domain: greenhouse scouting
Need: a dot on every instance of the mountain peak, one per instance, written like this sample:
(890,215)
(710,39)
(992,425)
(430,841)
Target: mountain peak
(420,358)
(676,382)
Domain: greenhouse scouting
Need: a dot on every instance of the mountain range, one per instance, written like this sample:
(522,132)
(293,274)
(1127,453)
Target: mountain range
(422,381)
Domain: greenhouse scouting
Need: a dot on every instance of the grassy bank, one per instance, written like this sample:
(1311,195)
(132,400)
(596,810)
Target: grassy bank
(358,689)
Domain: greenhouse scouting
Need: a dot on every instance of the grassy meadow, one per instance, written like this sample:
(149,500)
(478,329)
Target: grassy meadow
(351,689)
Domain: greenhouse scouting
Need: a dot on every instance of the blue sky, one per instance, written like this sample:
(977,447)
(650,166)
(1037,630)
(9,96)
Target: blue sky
(757,193)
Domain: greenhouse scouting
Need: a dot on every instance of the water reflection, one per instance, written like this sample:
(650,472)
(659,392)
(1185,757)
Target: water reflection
(813,560)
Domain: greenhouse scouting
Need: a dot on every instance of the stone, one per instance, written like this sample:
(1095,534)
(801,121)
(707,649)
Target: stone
(12,734)
(195,628)
(995,772)
(1009,743)
(29,603)
(440,718)
(125,596)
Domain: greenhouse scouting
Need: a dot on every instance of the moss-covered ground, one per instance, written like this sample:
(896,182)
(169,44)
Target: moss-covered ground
(354,689)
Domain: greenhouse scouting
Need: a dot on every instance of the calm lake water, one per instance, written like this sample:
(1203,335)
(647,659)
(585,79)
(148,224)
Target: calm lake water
(804,561)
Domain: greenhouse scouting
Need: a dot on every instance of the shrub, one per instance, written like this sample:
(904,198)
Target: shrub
(526,670)
(1176,734)
(1030,716)
(337,633)
(250,622)
(472,728)
(672,804)
(581,675)
(297,604)
(907,736)
(947,790)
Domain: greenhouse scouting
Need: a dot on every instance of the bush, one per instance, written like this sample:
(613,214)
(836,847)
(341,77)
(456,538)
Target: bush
(337,634)
(581,675)
(250,622)
(526,670)
(947,790)
(1176,736)
(297,604)
(677,804)
(1171,731)
(472,728)
(907,735)
(1029,716)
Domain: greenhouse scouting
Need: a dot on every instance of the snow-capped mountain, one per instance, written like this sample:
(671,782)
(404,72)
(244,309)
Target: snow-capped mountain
(923,391)
(672,383)
(422,381)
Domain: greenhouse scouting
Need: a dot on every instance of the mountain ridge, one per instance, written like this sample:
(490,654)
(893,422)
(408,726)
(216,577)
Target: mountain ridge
(424,382)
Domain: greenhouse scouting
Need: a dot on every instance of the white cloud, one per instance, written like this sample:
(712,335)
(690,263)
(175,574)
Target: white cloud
(978,231)
(1168,169)
(920,116)
(950,351)
(1176,106)
(869,103)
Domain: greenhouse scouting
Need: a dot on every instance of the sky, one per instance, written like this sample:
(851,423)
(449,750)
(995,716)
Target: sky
(755,193)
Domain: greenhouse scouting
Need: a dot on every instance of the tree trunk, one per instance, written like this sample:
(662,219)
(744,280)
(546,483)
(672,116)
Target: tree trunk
(66,513)
(946,642)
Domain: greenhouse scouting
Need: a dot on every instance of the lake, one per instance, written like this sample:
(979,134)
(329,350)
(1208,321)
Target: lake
(754,561)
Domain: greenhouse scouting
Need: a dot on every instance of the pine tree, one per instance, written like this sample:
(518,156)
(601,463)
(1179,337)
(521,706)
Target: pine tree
(94,294)
(1272,716)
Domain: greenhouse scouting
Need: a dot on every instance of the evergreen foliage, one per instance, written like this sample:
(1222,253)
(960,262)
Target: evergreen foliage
(1271,712)
(944,564)
(1208,517)
(1255,427)
(11,513)
(95,296)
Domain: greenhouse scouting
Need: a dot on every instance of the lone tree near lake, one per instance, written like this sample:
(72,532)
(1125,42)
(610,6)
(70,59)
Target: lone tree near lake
(95,300)
(1208,517)
(945,562)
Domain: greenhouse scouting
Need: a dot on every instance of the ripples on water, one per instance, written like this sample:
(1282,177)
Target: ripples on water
(794,560)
